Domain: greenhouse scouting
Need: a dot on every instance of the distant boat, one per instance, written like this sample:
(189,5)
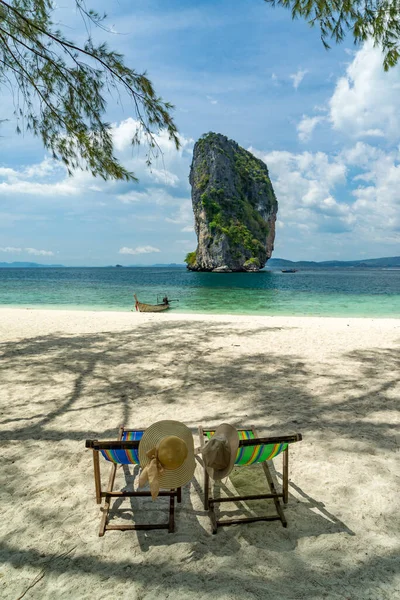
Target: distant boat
(142,307)
(289,270)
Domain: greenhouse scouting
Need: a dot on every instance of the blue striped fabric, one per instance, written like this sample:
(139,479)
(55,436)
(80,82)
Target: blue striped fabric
(124,457)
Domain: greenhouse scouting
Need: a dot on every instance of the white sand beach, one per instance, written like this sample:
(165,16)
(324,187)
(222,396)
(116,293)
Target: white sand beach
(67,376)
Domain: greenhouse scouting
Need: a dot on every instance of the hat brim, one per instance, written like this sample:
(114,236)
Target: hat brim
(232,437)
(170,479)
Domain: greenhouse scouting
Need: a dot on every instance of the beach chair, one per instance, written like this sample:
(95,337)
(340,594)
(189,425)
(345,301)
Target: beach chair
(124,451)
(253,449)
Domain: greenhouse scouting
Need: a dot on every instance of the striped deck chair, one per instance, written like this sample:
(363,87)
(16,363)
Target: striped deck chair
(253,449)
(124,451)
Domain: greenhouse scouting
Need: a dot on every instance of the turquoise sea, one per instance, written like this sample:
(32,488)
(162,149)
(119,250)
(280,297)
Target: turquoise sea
(334,292)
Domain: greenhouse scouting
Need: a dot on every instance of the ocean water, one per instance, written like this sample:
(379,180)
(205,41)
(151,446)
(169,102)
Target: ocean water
(334,292)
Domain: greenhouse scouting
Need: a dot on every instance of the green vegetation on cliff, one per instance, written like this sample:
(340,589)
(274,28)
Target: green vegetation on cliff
(234,206)
(235,216)
(190,259)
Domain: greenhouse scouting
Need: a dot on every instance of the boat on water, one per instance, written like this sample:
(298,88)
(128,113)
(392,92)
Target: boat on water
(289,270)
(159,307)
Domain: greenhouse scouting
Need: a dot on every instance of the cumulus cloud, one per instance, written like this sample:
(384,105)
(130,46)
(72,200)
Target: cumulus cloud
(133,196)
(151,195)
(10,249)
(39,252)
(164,177)
(305,184)
(184,215)
(318,193)
(353,191)
(124,132)
(139,250)
(306,127)
(34,251)
(364,103)
(366,99)
(7,172)
(48,178)
(61,188)
(298,77)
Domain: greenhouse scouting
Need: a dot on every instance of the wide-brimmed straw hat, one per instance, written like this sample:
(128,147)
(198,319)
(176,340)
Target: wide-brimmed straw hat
(219,453)
(171,444)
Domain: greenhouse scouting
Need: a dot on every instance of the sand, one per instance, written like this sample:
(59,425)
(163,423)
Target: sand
(67,376)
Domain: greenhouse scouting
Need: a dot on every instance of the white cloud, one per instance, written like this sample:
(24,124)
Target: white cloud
(164,177)
(311,203)
(139,250)
(133,196)
(6,172)
(151,195)
(27,250)
(184,215)
(212,100)
(124,132)
(62,188)
(305,186)
(365,102)
(275,79)
(47,167)
(306,127)
(27,180)
(10,249)
(39,252)
(298,77)
(187,228)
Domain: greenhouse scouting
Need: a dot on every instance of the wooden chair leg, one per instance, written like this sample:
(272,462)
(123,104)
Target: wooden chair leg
(171,522)
(206,475)
(206,489)
(278,506)
(285,476)
(107,504)
(213,518)
(271,484)
(179,494)
(97,479)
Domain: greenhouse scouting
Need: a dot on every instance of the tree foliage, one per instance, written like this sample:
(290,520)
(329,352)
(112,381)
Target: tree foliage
(60,89)
(378,20)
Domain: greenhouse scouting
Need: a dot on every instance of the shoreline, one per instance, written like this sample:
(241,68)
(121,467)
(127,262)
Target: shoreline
(188,315)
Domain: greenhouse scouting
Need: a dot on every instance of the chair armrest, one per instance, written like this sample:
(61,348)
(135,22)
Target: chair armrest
(288,439)
(112,445)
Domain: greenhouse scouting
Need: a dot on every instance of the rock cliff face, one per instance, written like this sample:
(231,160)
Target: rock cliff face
(234,207)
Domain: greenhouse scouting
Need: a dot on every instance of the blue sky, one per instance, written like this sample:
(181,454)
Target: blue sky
(327,125)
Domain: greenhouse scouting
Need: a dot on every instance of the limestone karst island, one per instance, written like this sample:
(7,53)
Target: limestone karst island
(234,206)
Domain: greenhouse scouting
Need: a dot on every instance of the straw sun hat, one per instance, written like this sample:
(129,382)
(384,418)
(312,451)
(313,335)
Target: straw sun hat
(166,455)
(219,453)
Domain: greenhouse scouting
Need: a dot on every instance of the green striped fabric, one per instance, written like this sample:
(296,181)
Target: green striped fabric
(248,455)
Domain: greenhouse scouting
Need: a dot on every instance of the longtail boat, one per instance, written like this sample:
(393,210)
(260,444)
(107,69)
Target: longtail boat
(142,307)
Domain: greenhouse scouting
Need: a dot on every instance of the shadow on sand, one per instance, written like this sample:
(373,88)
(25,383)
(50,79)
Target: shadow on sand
(83,386)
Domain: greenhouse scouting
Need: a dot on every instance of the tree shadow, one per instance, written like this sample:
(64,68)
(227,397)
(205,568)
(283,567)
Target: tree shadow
(84,386)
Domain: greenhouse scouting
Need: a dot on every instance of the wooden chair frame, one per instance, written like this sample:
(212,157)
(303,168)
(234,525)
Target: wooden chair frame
(96,446)
(210,502)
